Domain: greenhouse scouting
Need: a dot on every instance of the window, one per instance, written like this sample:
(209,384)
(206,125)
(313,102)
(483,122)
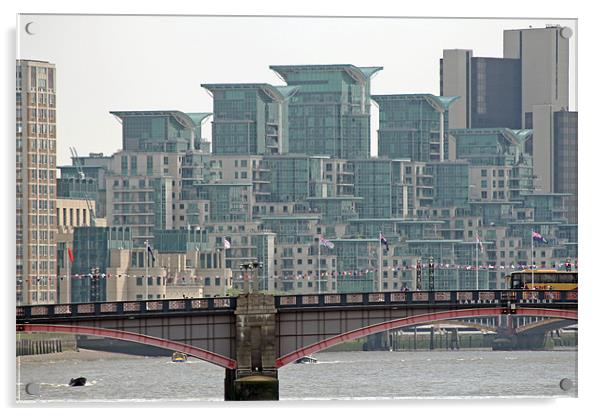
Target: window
(218,281)
(484,194)
(207,281)
(138,281)
(158,281)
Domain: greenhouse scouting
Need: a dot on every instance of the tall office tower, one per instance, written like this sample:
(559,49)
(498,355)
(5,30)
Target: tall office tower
(36,182)
(250,119)
(554,149)
(413,126)
(544,61)
(144,179)
(330,114)
(489,90)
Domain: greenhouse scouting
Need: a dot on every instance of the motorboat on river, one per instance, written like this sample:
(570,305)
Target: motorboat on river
(178,357)
(308,359)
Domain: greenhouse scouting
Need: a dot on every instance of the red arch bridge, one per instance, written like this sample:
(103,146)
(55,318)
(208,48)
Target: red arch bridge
(255,334)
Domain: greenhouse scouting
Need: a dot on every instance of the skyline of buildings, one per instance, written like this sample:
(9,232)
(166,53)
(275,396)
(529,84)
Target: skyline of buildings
(290,163)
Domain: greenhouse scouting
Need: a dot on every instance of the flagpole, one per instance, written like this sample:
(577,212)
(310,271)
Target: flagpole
(319,276)
(477,260)
(146,271)
(380,264)
(68,276)
(532,262)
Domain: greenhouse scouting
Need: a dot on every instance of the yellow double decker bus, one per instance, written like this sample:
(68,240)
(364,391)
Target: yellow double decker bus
(542,280)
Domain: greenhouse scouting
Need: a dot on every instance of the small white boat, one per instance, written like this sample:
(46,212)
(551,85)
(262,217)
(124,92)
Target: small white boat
(308,359)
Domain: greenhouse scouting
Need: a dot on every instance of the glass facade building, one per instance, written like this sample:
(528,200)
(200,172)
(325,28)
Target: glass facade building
(250,119)
(156,131)
(412,126)
(377,183)
(330,114)
(92,245)
(451,186)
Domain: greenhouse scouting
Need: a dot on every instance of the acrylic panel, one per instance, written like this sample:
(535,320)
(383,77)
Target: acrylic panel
(237,208)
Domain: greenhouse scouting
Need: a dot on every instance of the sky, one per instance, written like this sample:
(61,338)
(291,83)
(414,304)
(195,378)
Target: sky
(109,63)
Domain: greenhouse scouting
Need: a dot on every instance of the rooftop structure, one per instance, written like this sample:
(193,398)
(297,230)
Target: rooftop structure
(250,119)
(330,114)
(413,126)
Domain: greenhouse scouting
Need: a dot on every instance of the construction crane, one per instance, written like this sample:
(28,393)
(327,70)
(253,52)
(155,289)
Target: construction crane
(82,175)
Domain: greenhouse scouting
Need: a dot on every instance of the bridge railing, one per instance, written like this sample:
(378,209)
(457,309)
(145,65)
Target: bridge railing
(137,307)
(483,297)
(187,306)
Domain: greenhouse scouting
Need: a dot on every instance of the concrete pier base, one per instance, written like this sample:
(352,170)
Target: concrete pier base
(256,377)
(251,387)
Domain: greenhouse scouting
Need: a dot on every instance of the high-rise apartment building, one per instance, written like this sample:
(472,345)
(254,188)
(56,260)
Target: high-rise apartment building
(413,126)
(330,114)
(500,167)
(36,182)
(144,180)
(250,119)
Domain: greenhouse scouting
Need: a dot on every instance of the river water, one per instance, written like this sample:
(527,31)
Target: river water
(337,375)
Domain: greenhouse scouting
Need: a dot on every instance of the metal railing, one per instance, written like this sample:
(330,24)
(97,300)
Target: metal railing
(223,304)
(466,297)
(112,309)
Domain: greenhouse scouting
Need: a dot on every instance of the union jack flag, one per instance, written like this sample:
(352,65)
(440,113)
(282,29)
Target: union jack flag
(384,241)
(326,243)
(538,237)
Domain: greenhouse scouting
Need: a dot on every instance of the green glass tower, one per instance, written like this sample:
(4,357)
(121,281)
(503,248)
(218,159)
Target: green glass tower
(413,126)
(250,119)
(156,131)
(330,114)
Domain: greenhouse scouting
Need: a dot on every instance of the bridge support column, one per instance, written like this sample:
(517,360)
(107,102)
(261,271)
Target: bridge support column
(256,377)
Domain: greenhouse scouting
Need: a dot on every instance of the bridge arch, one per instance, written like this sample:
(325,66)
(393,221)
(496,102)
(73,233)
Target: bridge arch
(199,353)
(417,320)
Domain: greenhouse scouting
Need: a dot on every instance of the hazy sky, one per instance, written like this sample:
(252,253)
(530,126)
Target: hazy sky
(107,63)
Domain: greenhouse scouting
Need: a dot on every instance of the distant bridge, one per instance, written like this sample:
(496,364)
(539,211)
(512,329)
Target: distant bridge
(255,334)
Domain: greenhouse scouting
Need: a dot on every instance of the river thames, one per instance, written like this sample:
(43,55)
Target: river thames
(337,375)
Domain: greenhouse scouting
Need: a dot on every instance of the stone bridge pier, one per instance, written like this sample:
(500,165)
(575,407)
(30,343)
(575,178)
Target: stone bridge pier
(256,377)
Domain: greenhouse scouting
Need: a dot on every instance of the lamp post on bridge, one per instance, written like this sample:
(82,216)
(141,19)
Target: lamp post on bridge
(253,266)
(419,275)
(431,273)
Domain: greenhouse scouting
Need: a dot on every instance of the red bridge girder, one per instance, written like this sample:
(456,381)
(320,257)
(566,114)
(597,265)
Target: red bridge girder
(200,353)
(417,320)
